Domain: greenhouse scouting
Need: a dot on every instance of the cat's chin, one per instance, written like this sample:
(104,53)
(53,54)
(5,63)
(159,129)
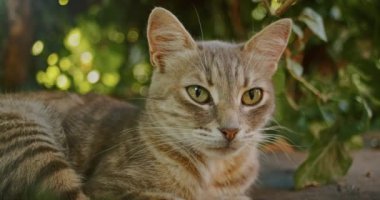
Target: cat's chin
(222,151)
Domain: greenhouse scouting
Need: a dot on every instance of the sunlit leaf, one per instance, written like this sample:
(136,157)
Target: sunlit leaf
(296,68)
(368,111)
(297,30)
(275,4)
(315,22)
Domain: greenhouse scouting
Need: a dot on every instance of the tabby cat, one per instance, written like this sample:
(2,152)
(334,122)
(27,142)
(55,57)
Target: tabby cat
(196,139)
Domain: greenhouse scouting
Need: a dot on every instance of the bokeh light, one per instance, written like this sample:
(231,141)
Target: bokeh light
(259,12)
(141,72)
(84,87)
(110,79)
(52,72)
(93,76)
(116,36)
(63,82)
(52,59)
(65,64)
(73,38)
(41,77)
(133,35)
(86,58)
(92,58)
(37,48)
(63,2)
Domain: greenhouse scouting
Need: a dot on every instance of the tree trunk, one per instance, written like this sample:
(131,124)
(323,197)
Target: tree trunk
(236,19)
(17,54)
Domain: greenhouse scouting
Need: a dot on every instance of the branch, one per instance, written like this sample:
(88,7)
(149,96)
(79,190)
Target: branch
(267,5)
(236,19)
(284,7)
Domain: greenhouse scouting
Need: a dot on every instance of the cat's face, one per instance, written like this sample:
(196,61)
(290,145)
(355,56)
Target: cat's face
(212,96)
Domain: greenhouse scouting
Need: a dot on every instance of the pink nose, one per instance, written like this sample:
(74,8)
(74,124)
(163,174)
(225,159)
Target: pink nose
(229,133)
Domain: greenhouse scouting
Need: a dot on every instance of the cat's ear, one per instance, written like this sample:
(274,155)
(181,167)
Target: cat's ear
(266,47)
(166,35)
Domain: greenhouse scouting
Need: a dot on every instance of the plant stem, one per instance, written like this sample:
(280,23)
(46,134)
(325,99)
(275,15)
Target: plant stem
(284,7)
(308,86)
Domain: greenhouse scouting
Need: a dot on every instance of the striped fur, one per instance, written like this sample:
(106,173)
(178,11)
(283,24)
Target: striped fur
(79,147)
(32,151)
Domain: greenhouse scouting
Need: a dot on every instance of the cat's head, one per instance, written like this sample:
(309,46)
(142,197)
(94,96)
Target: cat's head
(212,96)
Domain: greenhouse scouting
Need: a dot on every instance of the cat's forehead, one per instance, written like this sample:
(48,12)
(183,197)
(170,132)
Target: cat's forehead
(219,55)
(221,62)
(219,48)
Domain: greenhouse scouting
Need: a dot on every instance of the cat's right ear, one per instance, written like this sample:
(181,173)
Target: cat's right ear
(267,46)
(166,35)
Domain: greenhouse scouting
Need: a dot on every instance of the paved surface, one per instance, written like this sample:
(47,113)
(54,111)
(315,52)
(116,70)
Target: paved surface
(276,179)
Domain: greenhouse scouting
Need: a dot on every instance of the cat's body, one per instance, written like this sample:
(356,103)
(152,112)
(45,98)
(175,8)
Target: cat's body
(66,126)
(107,160)
(196,139)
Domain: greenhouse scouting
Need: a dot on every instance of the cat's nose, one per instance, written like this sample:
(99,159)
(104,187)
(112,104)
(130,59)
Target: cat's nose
(229,133)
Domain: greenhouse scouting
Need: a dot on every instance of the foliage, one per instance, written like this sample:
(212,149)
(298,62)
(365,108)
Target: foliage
(327,90)
(331,102)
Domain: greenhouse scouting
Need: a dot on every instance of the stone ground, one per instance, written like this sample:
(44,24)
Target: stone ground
(361,183)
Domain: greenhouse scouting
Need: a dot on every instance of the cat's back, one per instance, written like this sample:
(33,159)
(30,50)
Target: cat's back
(50,134)
(62,106)
(81,124)
(94,126)
(26,113)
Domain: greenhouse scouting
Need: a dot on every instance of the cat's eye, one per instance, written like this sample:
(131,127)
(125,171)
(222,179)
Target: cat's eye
(198,94)
(252,96)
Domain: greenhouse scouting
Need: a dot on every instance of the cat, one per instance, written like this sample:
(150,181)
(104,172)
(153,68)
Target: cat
(195,139)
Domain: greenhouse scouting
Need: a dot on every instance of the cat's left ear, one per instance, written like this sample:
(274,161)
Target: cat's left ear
(266,47)
(166,36)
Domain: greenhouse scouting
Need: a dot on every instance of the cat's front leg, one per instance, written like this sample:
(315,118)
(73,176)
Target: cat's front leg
(150,196)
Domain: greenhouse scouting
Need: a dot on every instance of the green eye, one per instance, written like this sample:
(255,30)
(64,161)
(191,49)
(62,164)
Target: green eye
(198,94)
(252,96)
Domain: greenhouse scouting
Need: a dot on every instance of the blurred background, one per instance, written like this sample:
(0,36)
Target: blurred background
(328,84)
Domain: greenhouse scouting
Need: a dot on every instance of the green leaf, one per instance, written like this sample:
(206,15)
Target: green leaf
(275,5)
(328,115)
(314,21)
(368,111)
(347,126)
(295,67)
(297,30)
(328,161)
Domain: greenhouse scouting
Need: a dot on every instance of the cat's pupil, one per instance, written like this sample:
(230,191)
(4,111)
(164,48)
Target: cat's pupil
(198,91)
(251,94)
